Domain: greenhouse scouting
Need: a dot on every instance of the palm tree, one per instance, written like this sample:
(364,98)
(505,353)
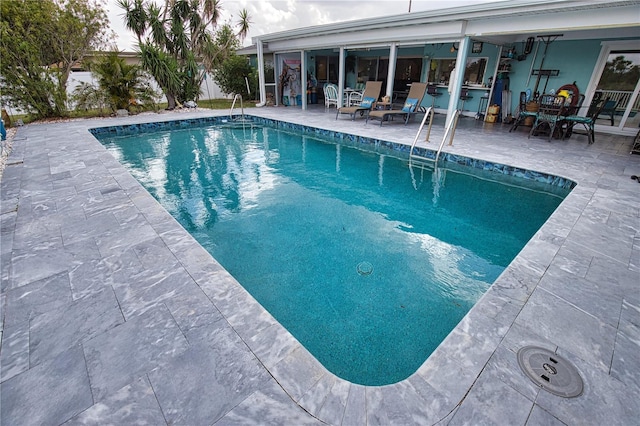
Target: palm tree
(175,38)
(120,85)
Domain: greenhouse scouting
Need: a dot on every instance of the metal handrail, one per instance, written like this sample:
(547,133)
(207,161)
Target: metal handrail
(428,114)
(233,104)
(450,128)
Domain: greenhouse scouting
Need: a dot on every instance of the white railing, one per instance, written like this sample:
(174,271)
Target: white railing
(622,96)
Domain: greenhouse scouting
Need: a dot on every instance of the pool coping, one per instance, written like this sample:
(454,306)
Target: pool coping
(444,380)
(370,144)
(288,361)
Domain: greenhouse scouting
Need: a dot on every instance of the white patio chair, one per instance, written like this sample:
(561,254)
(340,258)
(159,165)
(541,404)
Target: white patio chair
(330,95)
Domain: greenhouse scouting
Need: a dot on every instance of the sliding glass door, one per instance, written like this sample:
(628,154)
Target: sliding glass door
(618,83)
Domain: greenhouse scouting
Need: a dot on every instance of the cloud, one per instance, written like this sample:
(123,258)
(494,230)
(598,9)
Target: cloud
(269,16)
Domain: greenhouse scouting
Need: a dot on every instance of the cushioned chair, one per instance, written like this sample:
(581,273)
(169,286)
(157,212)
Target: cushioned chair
(411,106)
(550,108)
(330,95)
(523,114)
(609,109)
(369,97)
(587,121)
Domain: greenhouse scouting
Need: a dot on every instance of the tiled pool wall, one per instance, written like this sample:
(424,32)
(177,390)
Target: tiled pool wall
(353,140)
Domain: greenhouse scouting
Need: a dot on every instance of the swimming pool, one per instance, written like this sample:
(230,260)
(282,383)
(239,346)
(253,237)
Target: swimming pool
(368,263)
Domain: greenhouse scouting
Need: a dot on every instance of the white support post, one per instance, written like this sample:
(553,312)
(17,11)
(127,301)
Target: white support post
(455,83)
(261,79)
(393,54)
(341,77)
(303,78)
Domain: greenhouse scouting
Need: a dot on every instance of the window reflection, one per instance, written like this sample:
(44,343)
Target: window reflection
(440,70)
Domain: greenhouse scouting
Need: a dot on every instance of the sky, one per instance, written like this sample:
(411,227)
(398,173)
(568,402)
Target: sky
(269,16)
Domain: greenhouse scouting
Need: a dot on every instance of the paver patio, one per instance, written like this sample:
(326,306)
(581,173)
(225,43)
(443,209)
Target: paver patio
(112,314)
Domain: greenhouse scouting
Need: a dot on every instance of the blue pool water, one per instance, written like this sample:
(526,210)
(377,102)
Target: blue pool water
(367,262)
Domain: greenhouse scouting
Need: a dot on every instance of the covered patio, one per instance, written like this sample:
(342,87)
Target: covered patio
(486,54)
(112,313)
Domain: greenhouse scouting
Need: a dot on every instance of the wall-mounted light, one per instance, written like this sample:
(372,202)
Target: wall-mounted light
(453,48)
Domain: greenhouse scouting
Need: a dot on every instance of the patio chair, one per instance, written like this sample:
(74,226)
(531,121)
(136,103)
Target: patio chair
(369,97)
(411,106)
(550,108)
(330,95)
(609,109)
(587,121)
(523,113)
(356,96)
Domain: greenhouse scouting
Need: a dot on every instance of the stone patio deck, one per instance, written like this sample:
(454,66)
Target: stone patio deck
(112,314)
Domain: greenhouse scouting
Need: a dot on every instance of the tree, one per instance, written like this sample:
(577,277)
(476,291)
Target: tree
(120,85)
(231,74)
(619,74)
(40,41)
(175,38)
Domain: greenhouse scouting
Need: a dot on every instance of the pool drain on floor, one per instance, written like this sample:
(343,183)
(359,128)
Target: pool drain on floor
(365,268)
(550,371)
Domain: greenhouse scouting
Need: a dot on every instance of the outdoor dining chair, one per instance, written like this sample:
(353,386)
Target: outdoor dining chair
(587,121)
(609,109)
(523,113)
(330,95)
(550,108)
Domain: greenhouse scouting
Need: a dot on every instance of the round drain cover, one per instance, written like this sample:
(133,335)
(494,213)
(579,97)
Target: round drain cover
(549,371)
(365,268)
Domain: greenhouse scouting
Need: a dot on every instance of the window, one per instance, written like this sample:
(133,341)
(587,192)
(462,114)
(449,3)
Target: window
(327,69)
(440,70)
(374,69)
(474,71)
(408,70)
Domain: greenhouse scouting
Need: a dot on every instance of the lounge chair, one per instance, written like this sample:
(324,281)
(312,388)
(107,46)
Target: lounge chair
(369,98)
(411,105)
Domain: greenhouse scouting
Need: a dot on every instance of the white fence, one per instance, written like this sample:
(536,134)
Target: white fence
(208,90)
(623,97)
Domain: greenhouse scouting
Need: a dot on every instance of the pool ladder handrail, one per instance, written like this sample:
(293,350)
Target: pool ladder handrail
(451,128)
(233,104)
(428,115)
